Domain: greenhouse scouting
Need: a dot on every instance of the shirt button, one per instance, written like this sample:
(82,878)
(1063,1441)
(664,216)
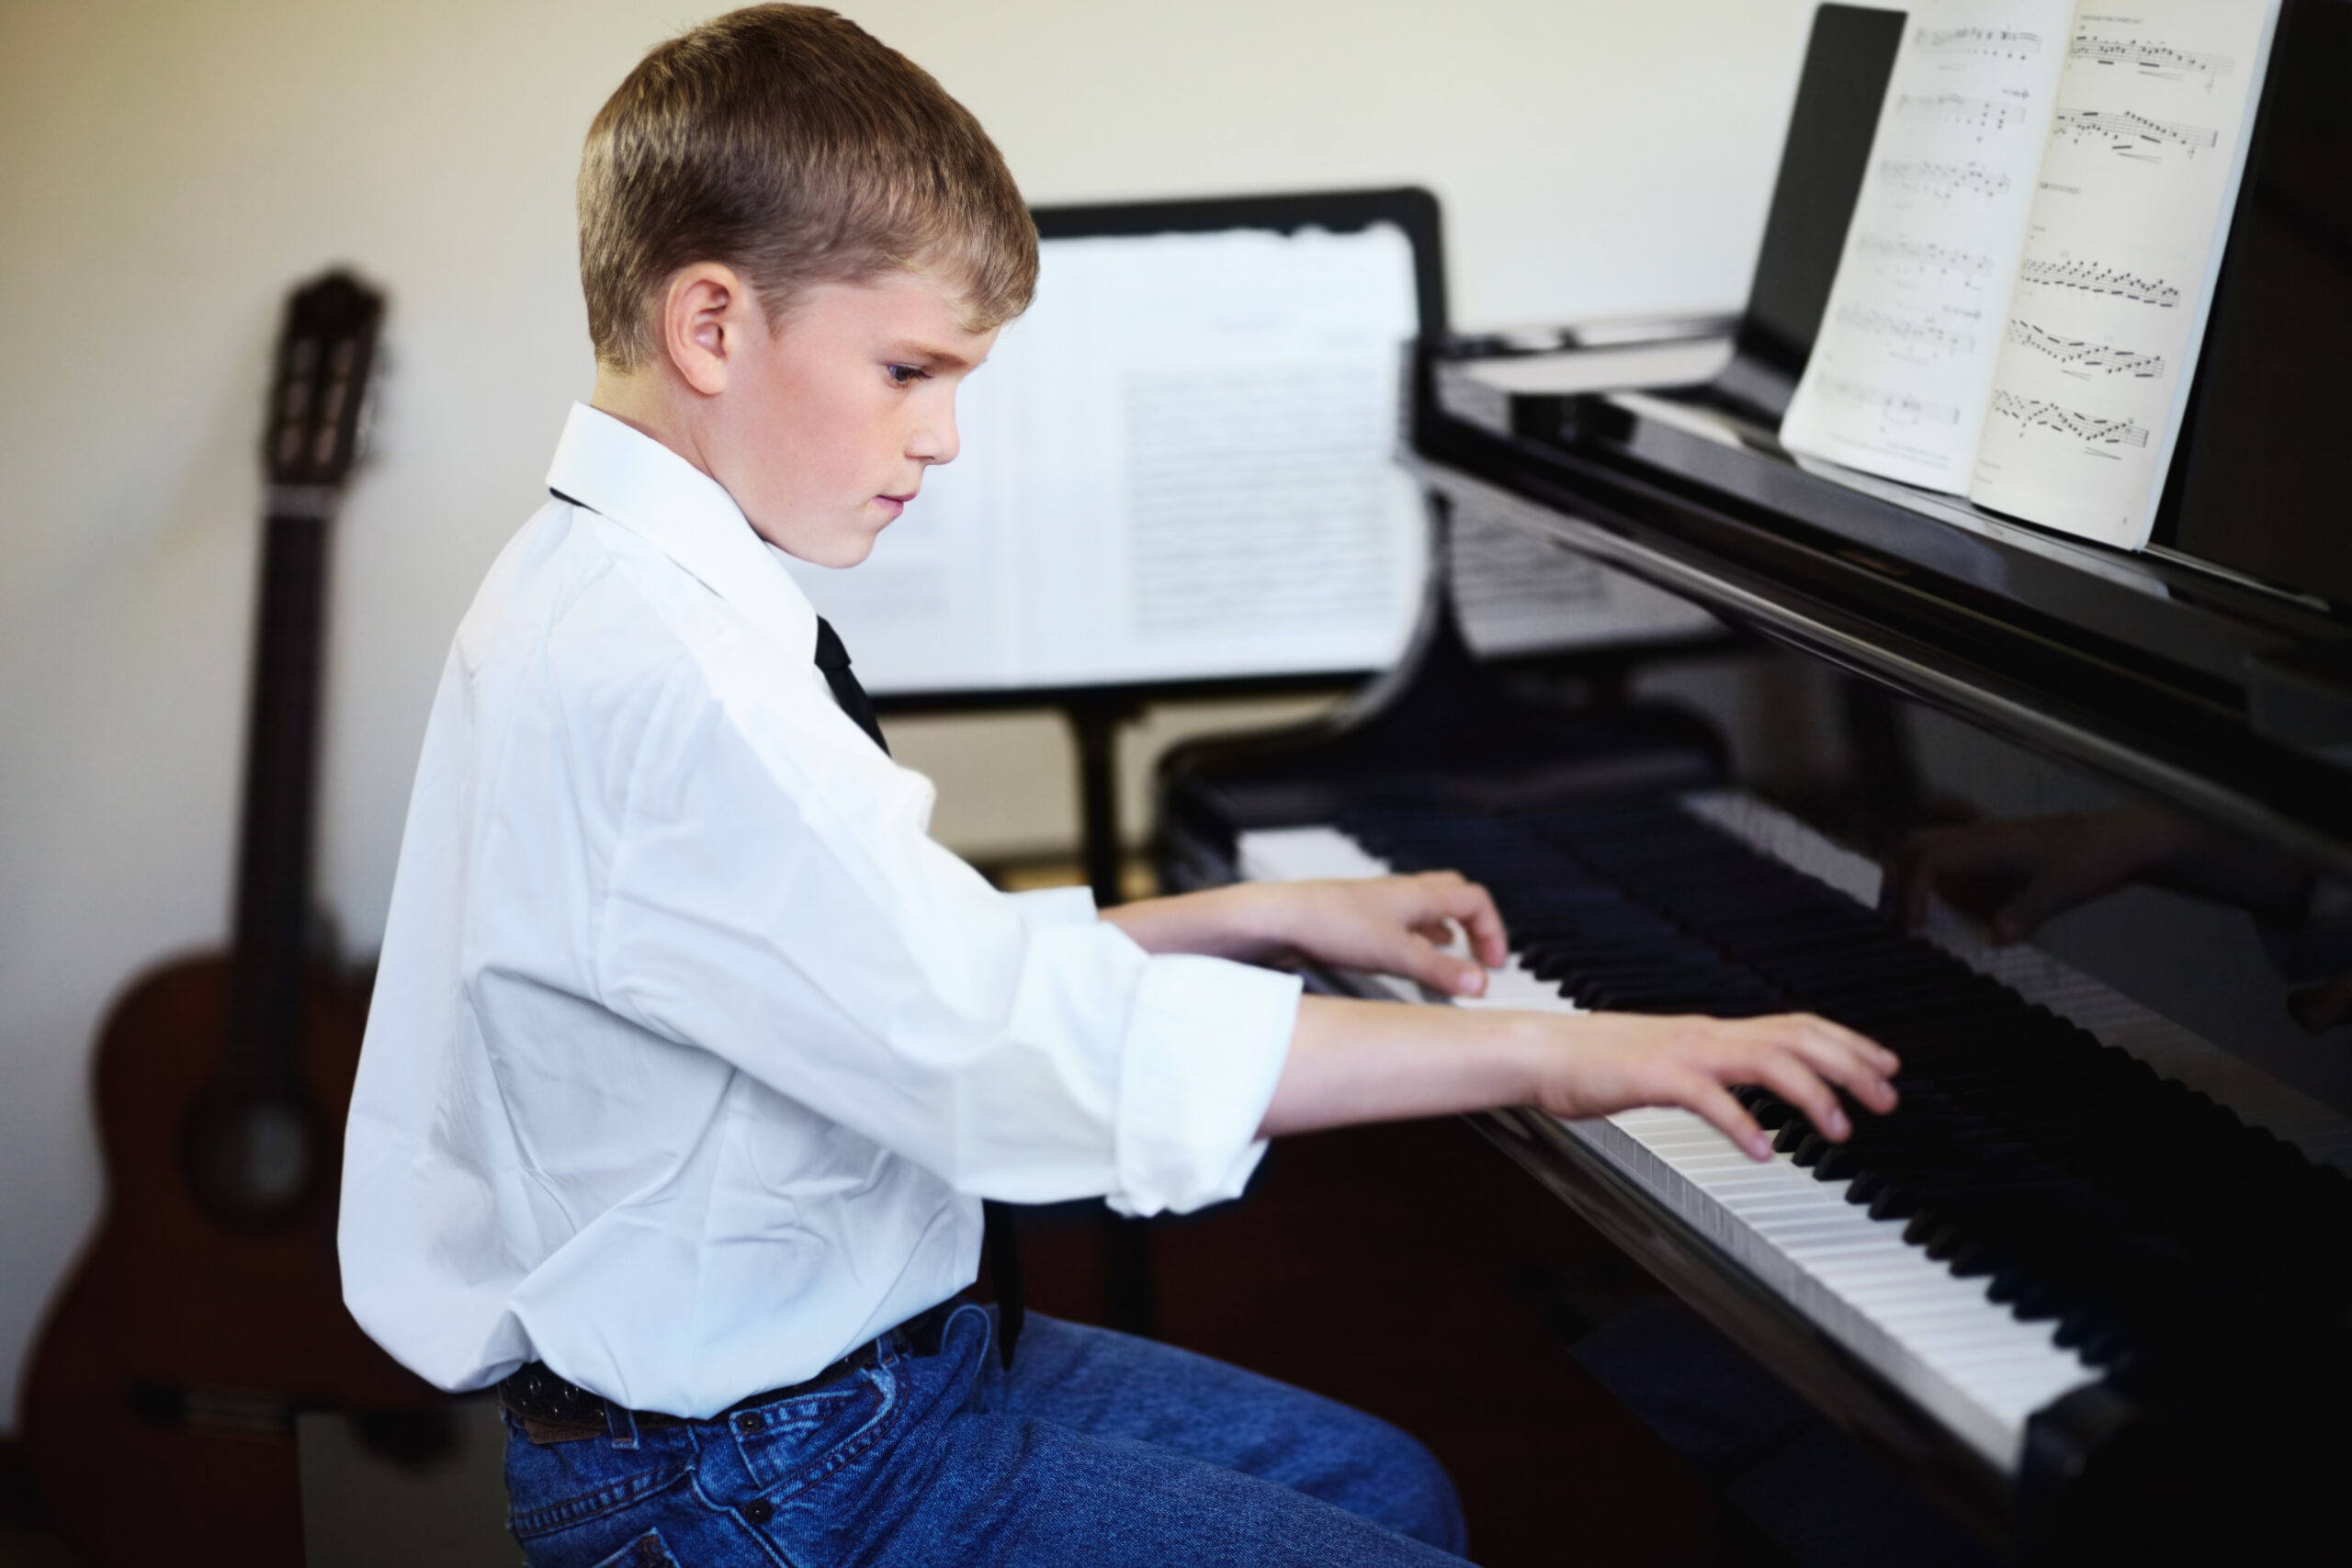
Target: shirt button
(749,1421)
(759,1510)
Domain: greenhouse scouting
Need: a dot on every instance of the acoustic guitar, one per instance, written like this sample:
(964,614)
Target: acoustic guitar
(208,1310)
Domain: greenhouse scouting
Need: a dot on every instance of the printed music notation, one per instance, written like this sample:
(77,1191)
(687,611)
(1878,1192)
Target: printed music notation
(2077,356)
(1944,181)
(1219,535)
(1923,255)
(2133,135)
(2040,413)
(1959,108)
(2001,42)
(2048,193)
(1915,336)
(1897,408)
(2156,59)
(2093,278)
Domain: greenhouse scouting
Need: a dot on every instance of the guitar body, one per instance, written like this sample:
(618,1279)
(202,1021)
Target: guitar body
(158,1412)
(208,1310)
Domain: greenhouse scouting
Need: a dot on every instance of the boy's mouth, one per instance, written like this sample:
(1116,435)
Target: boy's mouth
(894,504)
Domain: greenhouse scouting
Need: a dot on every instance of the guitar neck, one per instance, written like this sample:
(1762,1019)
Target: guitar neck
(316,401)
(273,908)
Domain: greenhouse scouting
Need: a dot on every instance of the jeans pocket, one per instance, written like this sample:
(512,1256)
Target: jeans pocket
(785,1446)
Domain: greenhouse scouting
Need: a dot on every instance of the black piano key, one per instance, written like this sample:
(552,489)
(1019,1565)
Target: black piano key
(1972,1260)
(1838,1163)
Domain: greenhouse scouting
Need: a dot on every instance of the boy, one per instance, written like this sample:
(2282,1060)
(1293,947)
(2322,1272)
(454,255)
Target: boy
(693,1056)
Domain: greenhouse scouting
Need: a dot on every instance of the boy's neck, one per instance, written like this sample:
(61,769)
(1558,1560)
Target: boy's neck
(655,405)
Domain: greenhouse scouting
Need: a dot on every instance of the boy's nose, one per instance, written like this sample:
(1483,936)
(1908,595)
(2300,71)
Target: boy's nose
(934,440)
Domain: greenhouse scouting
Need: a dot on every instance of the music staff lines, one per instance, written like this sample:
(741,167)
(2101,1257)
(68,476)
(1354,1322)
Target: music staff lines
(1914,337)
(2093,278)
(1943,181)
(1959,108)
(2040,413)
(2133,135)
(2145,59)
(1924,255)
(2000,42)
(2078,356)
(1899,407)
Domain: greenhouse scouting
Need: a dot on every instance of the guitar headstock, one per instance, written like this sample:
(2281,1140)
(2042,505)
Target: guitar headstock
(324,353)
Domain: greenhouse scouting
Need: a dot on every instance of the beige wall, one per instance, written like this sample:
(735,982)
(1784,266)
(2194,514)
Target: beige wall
(166,171)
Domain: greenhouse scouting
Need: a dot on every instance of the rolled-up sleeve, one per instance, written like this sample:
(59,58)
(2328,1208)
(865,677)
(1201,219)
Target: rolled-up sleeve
(1015,1045)
(1197,1075)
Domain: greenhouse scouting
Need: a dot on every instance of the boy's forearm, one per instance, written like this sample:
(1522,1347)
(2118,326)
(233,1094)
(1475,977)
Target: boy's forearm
(1353,1062)
(1239,921)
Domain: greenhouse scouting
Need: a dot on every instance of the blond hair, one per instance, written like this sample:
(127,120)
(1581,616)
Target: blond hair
(787,142)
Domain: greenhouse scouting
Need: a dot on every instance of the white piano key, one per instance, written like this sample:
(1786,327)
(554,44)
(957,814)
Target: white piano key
(1305,854)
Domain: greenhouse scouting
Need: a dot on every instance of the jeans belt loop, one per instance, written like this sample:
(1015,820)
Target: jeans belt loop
(621,1422)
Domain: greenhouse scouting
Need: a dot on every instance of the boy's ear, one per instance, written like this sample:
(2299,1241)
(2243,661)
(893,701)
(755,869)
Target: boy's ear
(707,317)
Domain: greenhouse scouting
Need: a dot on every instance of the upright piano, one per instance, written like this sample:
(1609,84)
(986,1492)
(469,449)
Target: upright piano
(2069,827)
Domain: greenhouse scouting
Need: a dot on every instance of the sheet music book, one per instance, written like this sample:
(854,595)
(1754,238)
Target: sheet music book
(2024,282)
(1179,465)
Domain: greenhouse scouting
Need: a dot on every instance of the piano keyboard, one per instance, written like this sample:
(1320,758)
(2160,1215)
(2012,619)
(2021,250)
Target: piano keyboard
(1641,907)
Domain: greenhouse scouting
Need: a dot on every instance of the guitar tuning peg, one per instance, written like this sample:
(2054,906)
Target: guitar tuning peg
(363,433)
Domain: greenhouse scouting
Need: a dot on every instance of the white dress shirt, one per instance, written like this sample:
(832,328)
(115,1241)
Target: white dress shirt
(692,1055)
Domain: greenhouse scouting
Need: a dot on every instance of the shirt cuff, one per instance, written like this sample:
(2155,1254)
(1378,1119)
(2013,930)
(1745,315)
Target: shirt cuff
(1204,1046)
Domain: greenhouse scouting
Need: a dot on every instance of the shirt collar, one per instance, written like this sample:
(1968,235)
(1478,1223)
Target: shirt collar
(620,473)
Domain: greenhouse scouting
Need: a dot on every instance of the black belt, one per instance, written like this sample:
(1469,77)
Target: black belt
(554,1409)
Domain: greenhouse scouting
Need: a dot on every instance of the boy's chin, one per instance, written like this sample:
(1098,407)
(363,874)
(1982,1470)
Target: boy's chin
(843,553)
(836,549)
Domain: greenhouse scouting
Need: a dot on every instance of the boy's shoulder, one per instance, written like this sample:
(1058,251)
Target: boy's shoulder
(576,607)
(591,617)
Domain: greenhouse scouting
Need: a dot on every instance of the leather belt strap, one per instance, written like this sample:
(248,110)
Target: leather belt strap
(553,1409)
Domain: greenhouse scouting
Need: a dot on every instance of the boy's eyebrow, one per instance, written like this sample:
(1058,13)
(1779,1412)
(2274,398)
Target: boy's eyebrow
(945,358)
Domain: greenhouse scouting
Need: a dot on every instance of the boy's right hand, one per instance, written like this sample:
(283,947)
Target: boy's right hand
(1615,1061)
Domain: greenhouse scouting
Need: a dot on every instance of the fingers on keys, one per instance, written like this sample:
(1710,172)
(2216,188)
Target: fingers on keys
(1805,1060)
(1472,907)
(1859,1065)
(1713,1101)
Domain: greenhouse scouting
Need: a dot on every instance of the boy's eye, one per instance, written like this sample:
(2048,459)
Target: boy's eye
(907,374)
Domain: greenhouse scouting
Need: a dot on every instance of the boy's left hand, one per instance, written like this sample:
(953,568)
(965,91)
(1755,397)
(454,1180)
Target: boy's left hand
(1391,925)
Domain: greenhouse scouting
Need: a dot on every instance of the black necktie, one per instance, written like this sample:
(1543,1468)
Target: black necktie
(1004,1246)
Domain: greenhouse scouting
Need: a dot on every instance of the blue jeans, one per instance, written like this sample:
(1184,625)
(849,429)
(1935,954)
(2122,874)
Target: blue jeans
(1097,1448)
